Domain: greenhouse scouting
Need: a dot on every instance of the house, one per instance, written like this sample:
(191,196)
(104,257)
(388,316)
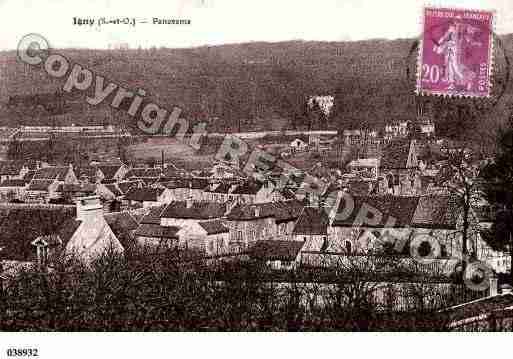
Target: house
(88,174)
(22,224)
(367,168)
(64,174)
(147,196)
(184,212)
(109,192)
(218,192)
(71,191)
(123,225)
(196,188)
(48,233)
(13,188)
(359,187)
(180,189)
(216,237)
(360,232)
(298,145)
(277,254)
(254,192)
(198,225)
(210,237)
(147,175)
(12,170)
(88,235)
(287,213)
(249,223)
(397,129)
(41,190)
(150,234)
(311,228)
(124,186)
(399,168)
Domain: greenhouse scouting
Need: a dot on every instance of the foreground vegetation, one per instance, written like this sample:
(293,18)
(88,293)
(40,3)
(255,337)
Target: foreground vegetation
(145,293)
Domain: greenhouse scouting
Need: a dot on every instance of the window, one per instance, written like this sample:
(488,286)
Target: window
(348,247)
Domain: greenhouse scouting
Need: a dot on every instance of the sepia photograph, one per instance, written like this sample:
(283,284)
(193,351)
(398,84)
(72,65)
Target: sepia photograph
(239,166)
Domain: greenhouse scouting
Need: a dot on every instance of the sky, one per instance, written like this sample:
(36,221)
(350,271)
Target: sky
(215,22)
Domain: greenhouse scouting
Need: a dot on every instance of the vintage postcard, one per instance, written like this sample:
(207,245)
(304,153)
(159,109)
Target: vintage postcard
(240,166)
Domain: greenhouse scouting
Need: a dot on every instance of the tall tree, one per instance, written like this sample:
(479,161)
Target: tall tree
(499,191)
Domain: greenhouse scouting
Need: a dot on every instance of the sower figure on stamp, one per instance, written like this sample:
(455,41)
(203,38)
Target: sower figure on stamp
(452,45)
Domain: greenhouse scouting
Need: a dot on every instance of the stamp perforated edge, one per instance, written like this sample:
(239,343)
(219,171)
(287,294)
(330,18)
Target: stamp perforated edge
(491,49)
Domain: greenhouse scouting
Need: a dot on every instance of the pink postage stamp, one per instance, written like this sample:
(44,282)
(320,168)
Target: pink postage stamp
(456,52)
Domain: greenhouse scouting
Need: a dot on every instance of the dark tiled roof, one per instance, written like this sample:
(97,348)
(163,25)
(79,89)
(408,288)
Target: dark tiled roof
(248,212)
(400,208)
(126,185)
(156,230)
(29,176)
(171,172)
(198,210)
(177,183)
(86,171)
(109,171)
(13,183)
(247,188)
(67,229)
(153,172)
(435,212)
(70,187)
(198,183)
(19,226)
(289,210)
(121,221)
(214,227)
(313,221)
(395,154)
(358,188)
(143,194)
(137,173)
(39,185)
(223,188)
(153,216)
(10,168)
(51,173)
(276,250)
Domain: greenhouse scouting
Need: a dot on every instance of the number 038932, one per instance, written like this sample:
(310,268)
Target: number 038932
(22,352)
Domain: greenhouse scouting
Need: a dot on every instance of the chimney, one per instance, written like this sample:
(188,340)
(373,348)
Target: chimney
(188,202)
(494,281)
(89,208)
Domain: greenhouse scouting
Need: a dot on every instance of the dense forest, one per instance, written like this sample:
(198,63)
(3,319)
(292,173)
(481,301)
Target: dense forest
(244,87)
